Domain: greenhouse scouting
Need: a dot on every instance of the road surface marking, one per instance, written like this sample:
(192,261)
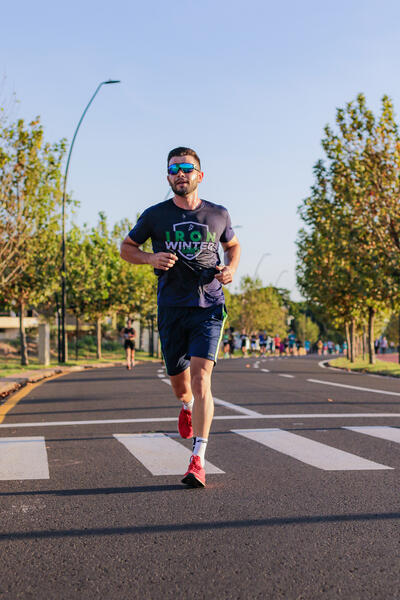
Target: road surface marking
(266,370)
(240,409)
(384,433)
(234,407)
(15,398)
(216,418)
(308,451)
(159,454)
(285,375)
(23,458)
(354,387)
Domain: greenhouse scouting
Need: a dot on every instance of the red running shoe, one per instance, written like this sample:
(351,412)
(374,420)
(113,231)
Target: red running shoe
(185,423)
(195,476)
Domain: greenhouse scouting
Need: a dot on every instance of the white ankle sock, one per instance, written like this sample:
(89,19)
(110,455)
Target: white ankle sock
(199,449)
(188,405)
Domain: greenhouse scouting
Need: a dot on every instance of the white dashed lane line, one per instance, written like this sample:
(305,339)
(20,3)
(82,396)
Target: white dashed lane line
(239,409)
(354,387)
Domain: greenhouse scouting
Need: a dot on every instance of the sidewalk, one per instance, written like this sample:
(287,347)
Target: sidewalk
(393,357)
(12,383)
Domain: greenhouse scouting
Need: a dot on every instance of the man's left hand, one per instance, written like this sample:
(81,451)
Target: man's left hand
(225,274)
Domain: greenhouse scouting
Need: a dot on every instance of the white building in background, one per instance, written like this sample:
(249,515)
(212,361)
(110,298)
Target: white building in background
(9,326)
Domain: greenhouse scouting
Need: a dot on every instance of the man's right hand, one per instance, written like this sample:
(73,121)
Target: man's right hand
(163,260)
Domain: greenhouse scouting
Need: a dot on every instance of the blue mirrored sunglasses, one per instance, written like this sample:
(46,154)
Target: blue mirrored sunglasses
(185,167)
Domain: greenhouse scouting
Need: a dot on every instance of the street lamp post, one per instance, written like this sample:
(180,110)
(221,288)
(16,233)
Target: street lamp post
(259,263)
(279,276)
(63,348)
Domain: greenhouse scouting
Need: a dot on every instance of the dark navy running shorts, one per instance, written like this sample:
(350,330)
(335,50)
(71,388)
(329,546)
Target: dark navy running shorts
(187,331)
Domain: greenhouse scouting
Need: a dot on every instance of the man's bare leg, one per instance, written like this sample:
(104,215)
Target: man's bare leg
(203,408)
(181,386)
(183,391)
(203,412)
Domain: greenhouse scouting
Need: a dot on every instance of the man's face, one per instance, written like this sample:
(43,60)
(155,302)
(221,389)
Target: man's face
(183,184)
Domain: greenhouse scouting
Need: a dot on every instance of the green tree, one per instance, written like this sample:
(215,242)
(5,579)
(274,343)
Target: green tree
(341,266)
(256,308)
(93,267)
(30,193)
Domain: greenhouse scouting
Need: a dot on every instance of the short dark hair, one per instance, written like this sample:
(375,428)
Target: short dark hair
(182,151)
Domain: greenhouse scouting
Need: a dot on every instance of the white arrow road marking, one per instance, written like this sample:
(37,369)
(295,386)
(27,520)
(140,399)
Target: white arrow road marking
(354,387)
(159,454)
(23,458)
(308,451)
(384,433)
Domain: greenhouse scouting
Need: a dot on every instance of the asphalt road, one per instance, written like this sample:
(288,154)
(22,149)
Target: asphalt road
(300,506)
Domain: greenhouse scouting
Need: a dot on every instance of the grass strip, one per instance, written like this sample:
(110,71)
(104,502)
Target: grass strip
(379,368)
(13,366)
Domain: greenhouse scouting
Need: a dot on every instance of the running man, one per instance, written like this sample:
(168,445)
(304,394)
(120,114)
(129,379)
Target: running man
(129,335)
(185,232)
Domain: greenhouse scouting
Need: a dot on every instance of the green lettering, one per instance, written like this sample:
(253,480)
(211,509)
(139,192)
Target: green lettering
(211,236)
(179,236)
(195,236)
(167,236)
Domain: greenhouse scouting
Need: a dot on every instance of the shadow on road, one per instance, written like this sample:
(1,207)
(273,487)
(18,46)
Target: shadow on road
(200,526)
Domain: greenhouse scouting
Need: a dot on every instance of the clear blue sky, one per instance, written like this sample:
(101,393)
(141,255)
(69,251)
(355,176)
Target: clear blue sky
(249,85)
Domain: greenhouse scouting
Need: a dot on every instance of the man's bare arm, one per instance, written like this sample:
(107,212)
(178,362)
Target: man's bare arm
(232,257)
(131,252)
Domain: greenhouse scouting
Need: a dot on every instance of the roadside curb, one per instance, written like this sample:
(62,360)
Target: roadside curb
(12,383)
(325,365)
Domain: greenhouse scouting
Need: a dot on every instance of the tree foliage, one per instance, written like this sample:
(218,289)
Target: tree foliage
(349,249)
(30,193)
(256,308)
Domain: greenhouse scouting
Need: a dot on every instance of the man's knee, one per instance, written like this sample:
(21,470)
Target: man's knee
(201,381)
(181,386)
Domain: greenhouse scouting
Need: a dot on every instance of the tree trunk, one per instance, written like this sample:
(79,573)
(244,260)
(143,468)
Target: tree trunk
(356,345)
(371,347)
(352,340)
(98,337)
(364,341)
(398,347)
(141,332)
(76,337)
(22,335)
(348,341)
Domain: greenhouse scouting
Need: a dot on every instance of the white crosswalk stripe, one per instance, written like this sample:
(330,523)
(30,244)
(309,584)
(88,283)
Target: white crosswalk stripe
(26,457)
(391,434)
(308,451)
(159,454)
(23,458)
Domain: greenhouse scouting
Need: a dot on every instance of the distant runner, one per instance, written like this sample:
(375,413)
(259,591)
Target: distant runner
(129,335)
(185,232)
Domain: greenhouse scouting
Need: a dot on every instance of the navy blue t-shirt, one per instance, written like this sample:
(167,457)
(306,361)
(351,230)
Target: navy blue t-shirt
(194,236)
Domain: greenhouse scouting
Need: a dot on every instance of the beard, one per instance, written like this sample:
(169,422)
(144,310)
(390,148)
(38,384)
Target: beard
(184,190)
